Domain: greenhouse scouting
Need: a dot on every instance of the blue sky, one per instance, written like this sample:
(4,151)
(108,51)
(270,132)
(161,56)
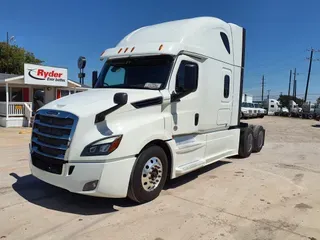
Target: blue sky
(278,32)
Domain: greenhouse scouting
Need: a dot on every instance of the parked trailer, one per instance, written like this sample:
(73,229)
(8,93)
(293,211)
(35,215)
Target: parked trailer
(311,110)
(166,102)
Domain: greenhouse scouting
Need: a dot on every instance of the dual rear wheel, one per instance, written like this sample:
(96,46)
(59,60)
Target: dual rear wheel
(251,140)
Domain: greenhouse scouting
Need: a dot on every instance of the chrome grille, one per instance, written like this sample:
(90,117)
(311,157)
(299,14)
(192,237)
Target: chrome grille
(51,136)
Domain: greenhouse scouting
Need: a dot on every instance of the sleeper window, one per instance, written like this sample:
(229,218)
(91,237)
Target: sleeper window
(225,41)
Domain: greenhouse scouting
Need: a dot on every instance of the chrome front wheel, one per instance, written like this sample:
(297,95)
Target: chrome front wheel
(151,174)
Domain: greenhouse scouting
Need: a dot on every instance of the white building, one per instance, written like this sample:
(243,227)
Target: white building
(247,98)
(16,97)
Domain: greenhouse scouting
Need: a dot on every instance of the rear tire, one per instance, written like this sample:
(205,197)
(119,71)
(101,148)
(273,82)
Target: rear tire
(246,142)
(258,138)
(149,175)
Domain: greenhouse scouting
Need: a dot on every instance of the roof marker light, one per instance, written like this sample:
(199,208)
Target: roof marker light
(120,50)
(161,46)
(126,50)
(132,49)
(102,53)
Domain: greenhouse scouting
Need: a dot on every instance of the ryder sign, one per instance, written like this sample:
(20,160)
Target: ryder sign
(45,75)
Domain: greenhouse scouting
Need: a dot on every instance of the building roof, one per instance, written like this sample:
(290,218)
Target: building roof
(4,76)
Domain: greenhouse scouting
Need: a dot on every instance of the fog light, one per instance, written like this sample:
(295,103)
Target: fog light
(89,186)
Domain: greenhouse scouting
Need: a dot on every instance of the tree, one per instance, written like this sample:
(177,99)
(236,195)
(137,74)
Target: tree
(12,58)
(285,99)
(318,100)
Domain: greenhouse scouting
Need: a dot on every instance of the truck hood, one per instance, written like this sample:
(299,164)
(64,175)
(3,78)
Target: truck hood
(94,101)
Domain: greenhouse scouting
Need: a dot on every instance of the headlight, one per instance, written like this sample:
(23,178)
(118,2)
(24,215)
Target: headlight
(103,146)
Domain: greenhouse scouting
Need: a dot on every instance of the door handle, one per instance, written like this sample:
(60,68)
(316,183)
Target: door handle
(196,119)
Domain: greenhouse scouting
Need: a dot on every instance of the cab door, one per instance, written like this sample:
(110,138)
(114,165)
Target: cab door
(185,102)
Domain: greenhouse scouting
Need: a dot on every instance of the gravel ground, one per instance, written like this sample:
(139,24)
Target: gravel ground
(274,194)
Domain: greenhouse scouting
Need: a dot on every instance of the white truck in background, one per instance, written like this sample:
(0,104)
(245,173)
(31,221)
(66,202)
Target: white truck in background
(246,111)
(166,102)
(294,109)
(273,106)
(261,112)
(311,111)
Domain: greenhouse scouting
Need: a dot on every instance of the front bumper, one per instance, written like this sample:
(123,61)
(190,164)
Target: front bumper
(113,176)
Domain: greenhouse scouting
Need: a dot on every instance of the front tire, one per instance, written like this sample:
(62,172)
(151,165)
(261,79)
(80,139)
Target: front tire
(149,175)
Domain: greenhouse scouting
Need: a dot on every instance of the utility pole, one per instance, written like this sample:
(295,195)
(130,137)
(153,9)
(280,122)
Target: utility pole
(269,94)
(8,56)
(309,71)
(262,89)
(289,83)
(294,83)
(295,88)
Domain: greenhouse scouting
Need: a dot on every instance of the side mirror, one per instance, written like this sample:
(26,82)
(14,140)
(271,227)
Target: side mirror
(186,82)
(94,78)
(190,78)
(120,99)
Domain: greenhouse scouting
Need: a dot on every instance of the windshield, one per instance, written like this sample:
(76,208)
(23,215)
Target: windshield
(250,105)
(244,104)
(256,105)
(140,72)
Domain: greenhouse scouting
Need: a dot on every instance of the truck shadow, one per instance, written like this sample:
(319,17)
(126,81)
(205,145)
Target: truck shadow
(316,125)
(45,195)
(48,196)
(177,182)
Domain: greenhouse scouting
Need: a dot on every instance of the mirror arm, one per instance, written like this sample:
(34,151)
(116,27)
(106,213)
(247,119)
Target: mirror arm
(175,97)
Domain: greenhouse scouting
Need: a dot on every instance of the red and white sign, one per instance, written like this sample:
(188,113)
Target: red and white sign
(45,75)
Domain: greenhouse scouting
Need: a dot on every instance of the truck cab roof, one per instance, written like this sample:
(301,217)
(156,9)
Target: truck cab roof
(205,36)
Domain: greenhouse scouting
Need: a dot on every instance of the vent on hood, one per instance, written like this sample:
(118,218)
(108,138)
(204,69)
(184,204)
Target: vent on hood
(148,102)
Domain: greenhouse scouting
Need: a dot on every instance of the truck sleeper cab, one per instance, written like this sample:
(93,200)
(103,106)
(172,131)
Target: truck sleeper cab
(167,101)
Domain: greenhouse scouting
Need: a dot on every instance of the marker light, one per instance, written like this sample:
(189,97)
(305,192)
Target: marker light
(161,46)
(120,50)
(126,50)
(132,49)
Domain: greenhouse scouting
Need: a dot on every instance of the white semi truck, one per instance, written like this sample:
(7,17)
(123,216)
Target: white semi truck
(166,102)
